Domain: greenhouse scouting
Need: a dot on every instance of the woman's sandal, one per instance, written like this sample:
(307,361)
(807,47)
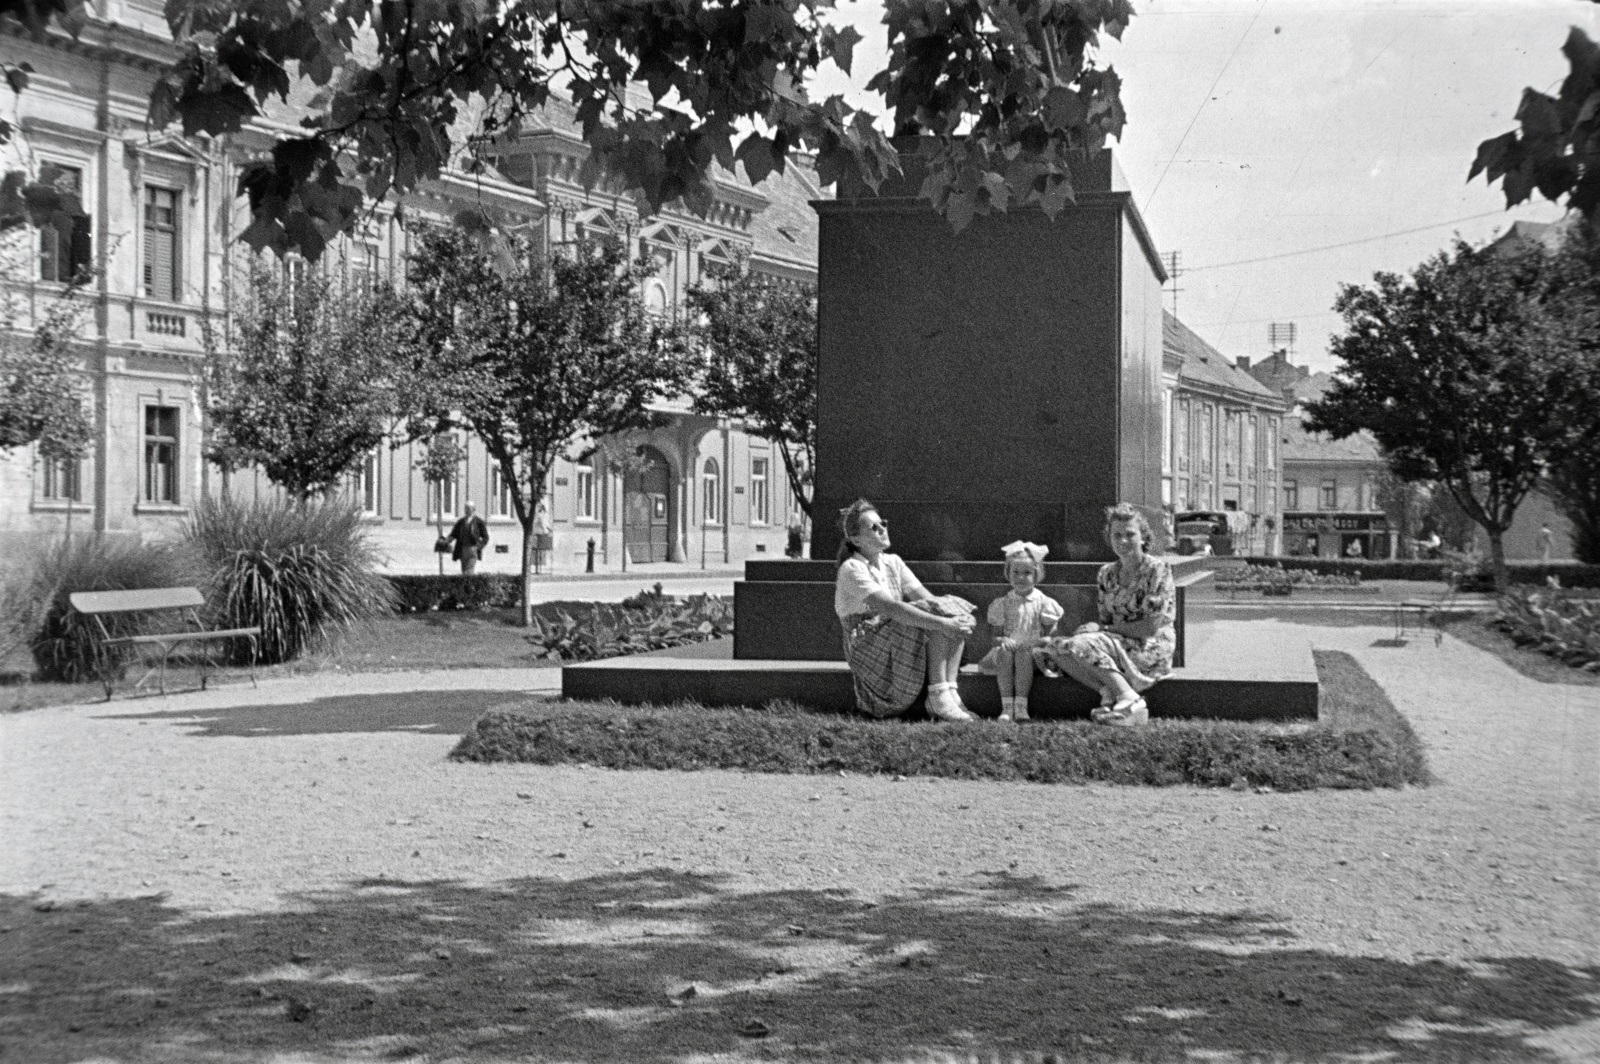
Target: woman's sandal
(1125,714)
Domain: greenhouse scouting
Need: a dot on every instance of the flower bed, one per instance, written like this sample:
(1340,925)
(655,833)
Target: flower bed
(1558,624)
(1276,580)
(645,622)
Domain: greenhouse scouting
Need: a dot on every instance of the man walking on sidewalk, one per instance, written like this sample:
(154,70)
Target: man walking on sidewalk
(469,536)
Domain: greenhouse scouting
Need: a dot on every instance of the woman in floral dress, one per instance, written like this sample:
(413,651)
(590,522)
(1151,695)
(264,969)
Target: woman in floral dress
(1132,645)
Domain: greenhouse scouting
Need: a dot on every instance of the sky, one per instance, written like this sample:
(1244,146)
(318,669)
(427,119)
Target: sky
(1262,133)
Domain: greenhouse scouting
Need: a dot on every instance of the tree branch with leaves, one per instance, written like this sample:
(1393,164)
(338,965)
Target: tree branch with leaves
(754,338)
(1007,90)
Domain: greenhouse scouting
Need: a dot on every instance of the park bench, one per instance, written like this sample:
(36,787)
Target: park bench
(186,600)
(1428,612)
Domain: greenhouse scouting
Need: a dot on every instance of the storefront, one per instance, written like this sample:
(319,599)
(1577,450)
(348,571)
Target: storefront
(1334,535)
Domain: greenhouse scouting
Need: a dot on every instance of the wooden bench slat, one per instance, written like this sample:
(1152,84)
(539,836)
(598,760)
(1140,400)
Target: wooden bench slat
(157,598)
(180,637)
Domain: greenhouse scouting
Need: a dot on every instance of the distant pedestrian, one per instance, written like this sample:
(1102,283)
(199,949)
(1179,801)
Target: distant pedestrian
(1547,543)
(1353,550)
(469,536)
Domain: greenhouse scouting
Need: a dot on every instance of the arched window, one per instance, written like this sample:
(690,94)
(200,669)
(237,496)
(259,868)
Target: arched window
(711,491)
(655,298)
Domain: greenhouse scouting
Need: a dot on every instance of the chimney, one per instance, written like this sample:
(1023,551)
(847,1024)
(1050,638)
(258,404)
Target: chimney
(1243,362)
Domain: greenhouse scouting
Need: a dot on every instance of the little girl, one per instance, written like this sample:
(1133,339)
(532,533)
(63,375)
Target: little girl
(1022,615)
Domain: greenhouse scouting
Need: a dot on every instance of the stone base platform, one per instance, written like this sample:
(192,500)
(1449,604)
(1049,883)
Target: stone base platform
(1246,671)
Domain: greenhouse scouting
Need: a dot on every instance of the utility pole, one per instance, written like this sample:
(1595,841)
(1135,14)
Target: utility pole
(1280,337)
(1173,261)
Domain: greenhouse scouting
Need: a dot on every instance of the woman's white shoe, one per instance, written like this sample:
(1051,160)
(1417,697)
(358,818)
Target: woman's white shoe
(945,704)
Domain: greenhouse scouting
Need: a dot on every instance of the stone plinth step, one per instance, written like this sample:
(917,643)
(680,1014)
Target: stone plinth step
(1260,674)
(793,620)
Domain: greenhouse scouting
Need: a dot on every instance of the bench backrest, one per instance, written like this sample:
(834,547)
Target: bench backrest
(155,598)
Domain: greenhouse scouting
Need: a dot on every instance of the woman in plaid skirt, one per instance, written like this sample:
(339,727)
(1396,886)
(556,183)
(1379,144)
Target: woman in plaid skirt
(897,636)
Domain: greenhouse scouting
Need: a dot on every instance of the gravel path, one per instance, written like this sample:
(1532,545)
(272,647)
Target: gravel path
(1496,863)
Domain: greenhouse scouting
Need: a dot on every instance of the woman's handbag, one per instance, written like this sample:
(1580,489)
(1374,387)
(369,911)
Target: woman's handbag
(441,545)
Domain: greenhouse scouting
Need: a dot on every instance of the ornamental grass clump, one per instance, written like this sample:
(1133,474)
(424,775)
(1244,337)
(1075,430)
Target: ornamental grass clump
(1554,622)
(298,570)
(66,645)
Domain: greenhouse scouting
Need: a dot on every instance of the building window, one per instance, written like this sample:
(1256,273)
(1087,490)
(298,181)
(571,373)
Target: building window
(1249,460)
(65,244)
(584,474)
(1328,498)
(364,482)
(1291,495)
(1181,431)
(161,275)
(1230,444)
(444,496)
(1272,444)
(1166,431)
(61,479)
(1207,414)
(711,491)
(760,506)
(363,263)
(161,454)
(500,504)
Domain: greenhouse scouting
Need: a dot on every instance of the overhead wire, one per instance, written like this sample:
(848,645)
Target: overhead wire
(1344,244)
(1205,100)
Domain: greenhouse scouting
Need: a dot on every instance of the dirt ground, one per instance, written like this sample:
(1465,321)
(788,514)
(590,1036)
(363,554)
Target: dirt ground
(316,883)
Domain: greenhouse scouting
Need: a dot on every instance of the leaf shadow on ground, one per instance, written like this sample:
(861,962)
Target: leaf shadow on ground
(450,712)
(600,969)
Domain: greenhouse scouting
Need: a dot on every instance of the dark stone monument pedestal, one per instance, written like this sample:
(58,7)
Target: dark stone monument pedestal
(995,384)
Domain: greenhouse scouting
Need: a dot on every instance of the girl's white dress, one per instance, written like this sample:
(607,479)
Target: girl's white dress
(1025,618)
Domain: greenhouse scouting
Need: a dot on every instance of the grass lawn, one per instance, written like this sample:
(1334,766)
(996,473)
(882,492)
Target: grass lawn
(1361,741)
(460,639)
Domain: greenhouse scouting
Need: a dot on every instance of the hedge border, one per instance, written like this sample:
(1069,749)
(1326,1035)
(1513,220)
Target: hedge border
(1570,573)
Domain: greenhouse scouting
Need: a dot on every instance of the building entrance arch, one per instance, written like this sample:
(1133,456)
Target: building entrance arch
(647,509)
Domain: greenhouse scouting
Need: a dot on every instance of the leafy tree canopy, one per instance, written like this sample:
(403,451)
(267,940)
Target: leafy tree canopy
(533,360)
(1457,371)
(1556,148)
(307,388)
(1006,88)
(756,337)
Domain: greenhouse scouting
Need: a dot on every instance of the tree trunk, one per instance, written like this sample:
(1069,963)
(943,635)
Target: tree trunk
(437,552)
(529,545)
(1497,558)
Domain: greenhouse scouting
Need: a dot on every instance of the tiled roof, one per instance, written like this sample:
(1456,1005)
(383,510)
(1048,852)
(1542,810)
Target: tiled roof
(1300,445)
(787,228)
(1205,366)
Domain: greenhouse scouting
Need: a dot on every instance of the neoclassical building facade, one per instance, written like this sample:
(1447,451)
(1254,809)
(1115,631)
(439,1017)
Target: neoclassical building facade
(159,230)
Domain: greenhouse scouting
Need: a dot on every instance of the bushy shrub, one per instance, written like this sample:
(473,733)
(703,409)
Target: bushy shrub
(612,631)
(67,646)
(465,591)
(297,570)
(1564,627)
